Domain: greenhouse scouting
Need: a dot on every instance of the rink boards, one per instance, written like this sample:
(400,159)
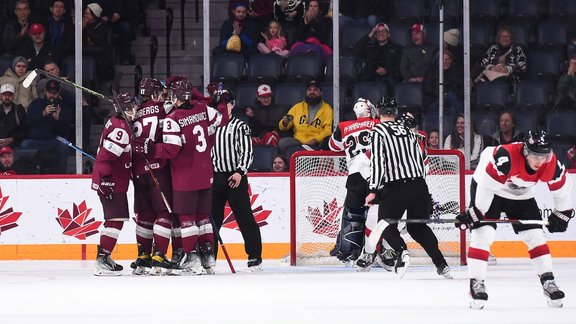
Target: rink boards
(59,219)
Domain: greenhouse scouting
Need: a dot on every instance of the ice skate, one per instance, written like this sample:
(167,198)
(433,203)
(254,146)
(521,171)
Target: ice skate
(177,256)
(365,261)
(402,263)
(142,264)
(554,295)
(160,265)
(478,294)
(386,259)
(207,258)
(444,271)
(105,266)
(191,264)
(255,265)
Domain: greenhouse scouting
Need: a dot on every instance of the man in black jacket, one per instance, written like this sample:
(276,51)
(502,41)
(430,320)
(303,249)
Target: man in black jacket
(13,126)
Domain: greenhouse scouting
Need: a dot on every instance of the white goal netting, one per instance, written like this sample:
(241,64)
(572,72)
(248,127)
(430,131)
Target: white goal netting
(317,195)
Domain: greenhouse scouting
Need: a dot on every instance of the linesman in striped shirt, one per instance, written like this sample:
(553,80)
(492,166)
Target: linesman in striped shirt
(232,154)
(397,175)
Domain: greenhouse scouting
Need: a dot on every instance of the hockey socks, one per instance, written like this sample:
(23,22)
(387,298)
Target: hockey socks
(162,232)
(109,236)
(144,234)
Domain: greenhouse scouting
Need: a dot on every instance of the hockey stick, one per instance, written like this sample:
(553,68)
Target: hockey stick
(34,73)
(455,221)
(67,143)
(216,233)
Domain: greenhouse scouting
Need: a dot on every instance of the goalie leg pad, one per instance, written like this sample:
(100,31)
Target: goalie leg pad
(351,236)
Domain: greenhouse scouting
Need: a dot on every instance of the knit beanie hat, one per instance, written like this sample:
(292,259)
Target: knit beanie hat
(451,36)
(19,59)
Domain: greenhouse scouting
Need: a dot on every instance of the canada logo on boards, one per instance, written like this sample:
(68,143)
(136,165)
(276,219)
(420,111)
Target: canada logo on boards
(327,222)
(78,224)
(8,217)
(260,214)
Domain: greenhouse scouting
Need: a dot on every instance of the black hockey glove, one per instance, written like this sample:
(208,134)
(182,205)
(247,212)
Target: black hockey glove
(470,217)
(144,146)
(558,221)
(106,188)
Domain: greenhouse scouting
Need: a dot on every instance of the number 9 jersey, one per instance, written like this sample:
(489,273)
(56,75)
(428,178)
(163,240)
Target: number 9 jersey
(353,137)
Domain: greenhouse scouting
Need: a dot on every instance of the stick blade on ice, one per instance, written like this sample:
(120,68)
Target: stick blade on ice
(29,79)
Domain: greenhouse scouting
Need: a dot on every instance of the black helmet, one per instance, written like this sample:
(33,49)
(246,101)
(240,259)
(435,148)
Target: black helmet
(408,120)
(537,142)
(387,106)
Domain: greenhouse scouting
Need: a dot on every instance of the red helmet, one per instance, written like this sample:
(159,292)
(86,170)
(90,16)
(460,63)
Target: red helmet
(174,78)
(151,87)
(182,90)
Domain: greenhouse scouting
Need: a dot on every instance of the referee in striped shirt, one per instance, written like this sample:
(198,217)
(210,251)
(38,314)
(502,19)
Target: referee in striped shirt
(232,154)
(397,176)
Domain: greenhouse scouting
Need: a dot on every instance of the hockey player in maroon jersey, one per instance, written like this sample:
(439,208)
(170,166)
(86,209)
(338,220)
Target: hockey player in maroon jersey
(505,181)
(110,180)
(153,220)
(187,145)
(353,138)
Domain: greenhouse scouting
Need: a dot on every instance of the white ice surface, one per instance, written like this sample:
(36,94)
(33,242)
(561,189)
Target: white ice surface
(67,292)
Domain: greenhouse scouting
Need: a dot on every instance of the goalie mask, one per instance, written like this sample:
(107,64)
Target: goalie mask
(181,90)
(151,88)
(127,105)
(364,108)
(408,120)
(387,106)
(537,147)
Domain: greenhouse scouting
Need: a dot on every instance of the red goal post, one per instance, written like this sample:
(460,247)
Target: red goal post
(317,192)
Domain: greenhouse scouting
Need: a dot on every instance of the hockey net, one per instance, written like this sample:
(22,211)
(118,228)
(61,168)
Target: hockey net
(318,189)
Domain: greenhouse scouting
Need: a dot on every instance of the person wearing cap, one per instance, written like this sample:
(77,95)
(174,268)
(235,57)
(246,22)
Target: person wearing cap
(13,125)
(310,119)
(452,44)
(239,25)
(418,57)
(503,61)
(381,56)
(95,41)
(6,161)
(36,49)
(48,118)
(16,30)
(566,87)
(16,76)
(263,117)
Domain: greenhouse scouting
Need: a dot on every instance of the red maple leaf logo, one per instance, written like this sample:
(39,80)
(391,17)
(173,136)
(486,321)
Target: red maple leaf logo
(260,215)
(78,225)
(8,217)
(326,223)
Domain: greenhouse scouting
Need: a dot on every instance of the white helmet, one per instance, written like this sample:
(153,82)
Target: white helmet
(364,108)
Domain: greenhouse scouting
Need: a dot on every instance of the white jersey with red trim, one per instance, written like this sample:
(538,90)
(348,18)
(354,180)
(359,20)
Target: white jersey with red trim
(503,171)
(353,137)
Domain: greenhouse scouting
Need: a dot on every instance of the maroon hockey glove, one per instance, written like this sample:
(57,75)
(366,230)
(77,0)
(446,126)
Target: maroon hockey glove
(470,217)
(144,146)
(106,188)
(558,221)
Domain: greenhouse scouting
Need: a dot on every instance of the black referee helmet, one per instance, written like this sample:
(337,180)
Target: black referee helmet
(387,106)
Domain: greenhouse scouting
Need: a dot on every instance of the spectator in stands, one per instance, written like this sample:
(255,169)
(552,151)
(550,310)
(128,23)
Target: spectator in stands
(452,44)
(289,11)
(121,17)
(47,118)
(263,117)
(434,139)
(6,161)
(381,57)
(313,32)
(60,30)
(310,119)
(16,76)
(37,50)
(507,132)
(15,31)
(418,57)
(96,41)
(13,126)
(261,11)
(453,88)
(455,141)
(503,61)
(571,157)
(280,164)
(275,40)
(566,87)
(238,34)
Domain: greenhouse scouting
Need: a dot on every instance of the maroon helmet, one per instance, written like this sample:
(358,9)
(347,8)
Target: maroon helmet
(151,87)
(174,78)
(127,104)
(182,90)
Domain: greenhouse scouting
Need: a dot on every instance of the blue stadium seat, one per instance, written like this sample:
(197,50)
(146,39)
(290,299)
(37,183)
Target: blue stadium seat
(560,123)
(524,9)
(491,95)
(562,9)
(263,157)
(265,68)
(544,63)
(487,10)
(532,94)
(527,120)
(400,33)
(5,63)
(372,91)
(560,150)
(430,120)
(350,34)
(303,67)
(409,96)
(228,68)
(287,94)
(408,11)
(553,33)
(349,69)
(486,122)
(245,94)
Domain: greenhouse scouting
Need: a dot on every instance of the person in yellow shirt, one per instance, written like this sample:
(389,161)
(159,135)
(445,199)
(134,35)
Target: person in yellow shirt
(311,120)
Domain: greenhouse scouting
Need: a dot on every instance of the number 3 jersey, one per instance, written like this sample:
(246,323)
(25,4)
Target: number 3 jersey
(147,123)
(186,142)
(113,158)
(353,137)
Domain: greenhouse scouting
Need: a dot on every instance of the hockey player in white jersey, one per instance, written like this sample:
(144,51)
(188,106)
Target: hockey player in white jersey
(505,182)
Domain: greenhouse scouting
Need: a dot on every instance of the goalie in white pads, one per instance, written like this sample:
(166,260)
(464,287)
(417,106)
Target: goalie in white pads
(505,181)
(353,137)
